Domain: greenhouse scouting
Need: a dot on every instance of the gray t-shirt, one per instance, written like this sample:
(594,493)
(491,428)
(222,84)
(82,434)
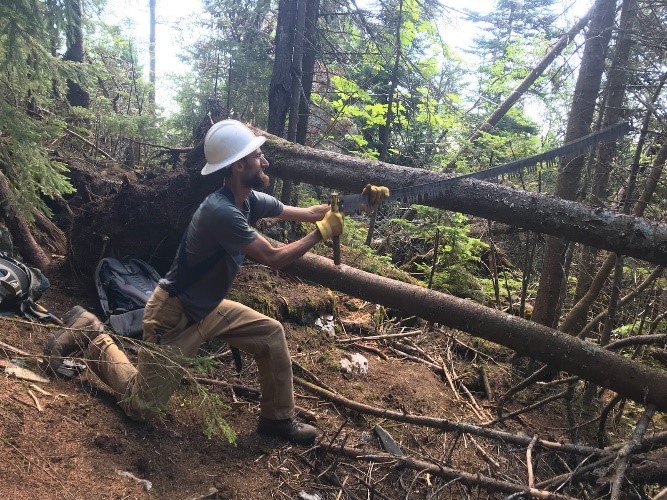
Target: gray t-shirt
(214,244)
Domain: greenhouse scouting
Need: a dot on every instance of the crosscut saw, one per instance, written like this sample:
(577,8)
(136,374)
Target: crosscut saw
(422,193)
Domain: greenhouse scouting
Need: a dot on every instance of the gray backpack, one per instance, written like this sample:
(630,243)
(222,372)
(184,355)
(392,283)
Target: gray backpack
(124,287)
(20,288)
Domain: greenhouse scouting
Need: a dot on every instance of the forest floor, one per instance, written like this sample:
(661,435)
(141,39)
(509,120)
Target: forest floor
(78,444)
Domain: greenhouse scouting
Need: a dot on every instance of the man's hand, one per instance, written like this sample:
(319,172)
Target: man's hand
(331,225)
(376,195)
(319,211)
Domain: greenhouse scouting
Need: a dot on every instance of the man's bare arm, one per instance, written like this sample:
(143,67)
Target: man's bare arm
(277,257)
(307,214)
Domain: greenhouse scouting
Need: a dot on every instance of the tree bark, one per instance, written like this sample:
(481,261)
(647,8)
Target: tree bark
(297,70)
(76,95)
(628,235)
(569,171)
(147,219)
(629,378)
(281,79)
(21,234)
(309,58)
(580,309)
(288,194)
(603,164)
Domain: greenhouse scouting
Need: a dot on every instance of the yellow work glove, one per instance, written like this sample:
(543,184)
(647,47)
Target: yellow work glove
(376,195)
(331,225)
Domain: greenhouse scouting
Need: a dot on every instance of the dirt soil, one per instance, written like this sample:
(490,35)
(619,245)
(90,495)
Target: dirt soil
(78,444)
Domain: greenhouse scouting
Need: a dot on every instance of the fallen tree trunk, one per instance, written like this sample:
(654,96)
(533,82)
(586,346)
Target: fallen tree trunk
(147,217)
(601,228)
(628,378)
(147,220)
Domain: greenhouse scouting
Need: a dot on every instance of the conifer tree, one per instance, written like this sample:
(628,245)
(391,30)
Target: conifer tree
(32,89)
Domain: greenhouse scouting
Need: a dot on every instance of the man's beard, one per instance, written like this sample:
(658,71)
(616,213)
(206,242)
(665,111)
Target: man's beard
(257,182)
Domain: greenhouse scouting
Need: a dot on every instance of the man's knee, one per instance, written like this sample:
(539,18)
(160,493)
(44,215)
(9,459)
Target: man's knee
(104,352)
(101,342)
(276,332)
(275,326)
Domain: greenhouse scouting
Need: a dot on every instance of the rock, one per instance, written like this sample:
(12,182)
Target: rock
(354,363)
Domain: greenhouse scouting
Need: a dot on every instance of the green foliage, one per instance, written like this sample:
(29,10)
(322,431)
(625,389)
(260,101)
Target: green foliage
(204,364)
(209,404)
(422,87)
(215,425)
(231,60)
(411,245)
(355,236)
(624,331)
(31,87)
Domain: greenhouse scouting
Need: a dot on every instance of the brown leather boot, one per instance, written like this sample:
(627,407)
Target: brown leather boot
(289,429)
(82,327)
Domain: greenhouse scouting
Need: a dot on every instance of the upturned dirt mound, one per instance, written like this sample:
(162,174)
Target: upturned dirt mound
(68,439)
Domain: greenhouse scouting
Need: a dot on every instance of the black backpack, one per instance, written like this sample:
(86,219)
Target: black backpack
(124,287)
(20,288)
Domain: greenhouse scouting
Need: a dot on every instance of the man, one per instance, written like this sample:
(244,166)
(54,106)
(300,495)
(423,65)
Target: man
(189,307)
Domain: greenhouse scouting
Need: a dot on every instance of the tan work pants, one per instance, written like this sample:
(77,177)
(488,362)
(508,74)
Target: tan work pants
(143,391)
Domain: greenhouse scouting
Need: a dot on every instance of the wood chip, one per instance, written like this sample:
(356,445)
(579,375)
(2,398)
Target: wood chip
(34,398)
(25,374)
(40,390)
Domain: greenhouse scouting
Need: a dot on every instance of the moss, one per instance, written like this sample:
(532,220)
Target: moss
(328,360)
(260,302)
(306,311)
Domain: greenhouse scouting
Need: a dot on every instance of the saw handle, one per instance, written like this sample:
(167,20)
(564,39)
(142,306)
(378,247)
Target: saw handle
(335,207)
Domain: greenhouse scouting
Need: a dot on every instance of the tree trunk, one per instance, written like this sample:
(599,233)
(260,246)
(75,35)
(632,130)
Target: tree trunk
(569,171)
(147,219)
(297,70)
(577,314)
(31,251)
(19,229)
(618,373)
(280,87)
(76,95)
(613,113)
(309,58)
(288,196)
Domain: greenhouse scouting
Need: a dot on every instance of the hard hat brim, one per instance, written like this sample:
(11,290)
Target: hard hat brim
(209,168)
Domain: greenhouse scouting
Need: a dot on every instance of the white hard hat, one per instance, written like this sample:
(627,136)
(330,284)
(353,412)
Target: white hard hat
(226,142)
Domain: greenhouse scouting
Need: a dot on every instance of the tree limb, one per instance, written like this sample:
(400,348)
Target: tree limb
(474,480)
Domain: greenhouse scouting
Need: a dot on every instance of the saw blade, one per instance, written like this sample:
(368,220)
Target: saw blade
(422,193)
